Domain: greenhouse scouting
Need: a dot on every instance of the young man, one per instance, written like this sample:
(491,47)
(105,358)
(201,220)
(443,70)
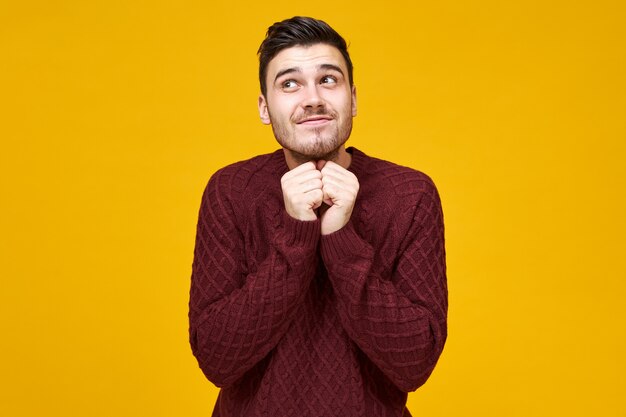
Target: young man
(318,285)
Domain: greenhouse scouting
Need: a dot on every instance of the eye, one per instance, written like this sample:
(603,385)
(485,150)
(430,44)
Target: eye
(289,85)
(328,79)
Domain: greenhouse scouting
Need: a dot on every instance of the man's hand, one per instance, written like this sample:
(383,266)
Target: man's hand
(302,191)
(340,188)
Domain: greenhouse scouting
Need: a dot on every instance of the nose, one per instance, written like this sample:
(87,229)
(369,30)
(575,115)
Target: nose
(312,98)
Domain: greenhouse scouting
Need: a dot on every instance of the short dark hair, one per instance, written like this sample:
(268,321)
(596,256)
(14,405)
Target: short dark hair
(298,31)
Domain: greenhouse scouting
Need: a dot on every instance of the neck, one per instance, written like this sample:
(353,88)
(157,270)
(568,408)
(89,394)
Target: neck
(339,156)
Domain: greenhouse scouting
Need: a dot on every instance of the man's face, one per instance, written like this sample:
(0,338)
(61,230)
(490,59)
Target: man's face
(309,101)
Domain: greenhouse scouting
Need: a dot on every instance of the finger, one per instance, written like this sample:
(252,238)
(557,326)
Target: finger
(298,177)
(346,181)
(336,170)
(310,185)
(316,197)
(338,191)
(307,166)
(305,176)
(339,174)
(340,183)
(330,192)
(331,165)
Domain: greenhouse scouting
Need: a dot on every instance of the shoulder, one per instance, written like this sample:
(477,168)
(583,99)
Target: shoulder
(235,178)
(394,200)
(405,184)
(228,191)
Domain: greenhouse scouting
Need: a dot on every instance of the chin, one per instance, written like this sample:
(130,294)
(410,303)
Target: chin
(304,155)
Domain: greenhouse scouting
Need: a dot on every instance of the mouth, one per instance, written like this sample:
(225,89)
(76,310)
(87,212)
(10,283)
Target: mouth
(314,120)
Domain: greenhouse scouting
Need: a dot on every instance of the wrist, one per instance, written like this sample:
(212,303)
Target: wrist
(345,242)
(304,216)
(300,232)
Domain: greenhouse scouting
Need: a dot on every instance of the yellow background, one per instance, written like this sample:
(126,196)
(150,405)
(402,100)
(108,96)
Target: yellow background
(115,113)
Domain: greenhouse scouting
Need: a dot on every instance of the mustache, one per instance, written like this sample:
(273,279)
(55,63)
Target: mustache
(311,113)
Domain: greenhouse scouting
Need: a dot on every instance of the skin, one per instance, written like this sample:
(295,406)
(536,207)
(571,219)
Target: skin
(310,105)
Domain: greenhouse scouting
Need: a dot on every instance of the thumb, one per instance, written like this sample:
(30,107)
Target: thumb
(327,199)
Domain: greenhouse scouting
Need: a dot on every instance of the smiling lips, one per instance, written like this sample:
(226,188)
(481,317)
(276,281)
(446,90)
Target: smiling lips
(314,121)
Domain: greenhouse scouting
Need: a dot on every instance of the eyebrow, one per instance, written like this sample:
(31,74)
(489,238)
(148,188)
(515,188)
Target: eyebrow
(331,67)
(298,69)
(287,71)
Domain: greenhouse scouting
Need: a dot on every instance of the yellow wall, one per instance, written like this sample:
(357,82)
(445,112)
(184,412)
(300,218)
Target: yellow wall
(113,115)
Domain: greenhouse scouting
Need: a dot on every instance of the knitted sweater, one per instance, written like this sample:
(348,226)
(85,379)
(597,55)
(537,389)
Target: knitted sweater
(291,323)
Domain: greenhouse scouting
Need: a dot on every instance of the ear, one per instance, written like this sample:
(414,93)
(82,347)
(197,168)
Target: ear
(353,100)
(264,113)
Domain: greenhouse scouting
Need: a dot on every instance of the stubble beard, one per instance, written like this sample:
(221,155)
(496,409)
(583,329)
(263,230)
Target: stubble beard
(321,147)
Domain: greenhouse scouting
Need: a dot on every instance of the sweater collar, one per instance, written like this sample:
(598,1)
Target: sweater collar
(358,159)
(356,164)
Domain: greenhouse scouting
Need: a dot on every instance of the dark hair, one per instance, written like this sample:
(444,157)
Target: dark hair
(298,31)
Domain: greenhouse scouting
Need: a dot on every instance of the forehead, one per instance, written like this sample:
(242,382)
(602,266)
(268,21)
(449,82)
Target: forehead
(306,58)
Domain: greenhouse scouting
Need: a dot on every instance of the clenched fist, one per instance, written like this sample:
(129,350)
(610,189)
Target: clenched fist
(309,185)
(340,188)
(302,191)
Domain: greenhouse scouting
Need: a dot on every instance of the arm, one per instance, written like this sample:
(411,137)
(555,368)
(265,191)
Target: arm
(399,321)
(235,317)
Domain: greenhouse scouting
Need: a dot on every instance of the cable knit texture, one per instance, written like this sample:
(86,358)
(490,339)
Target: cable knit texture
(291,323)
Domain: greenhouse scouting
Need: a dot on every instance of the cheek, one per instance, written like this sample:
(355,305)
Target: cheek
(284,108)
(340,99)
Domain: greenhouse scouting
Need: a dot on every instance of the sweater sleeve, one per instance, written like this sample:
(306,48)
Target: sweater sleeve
(236,317)
(398,321)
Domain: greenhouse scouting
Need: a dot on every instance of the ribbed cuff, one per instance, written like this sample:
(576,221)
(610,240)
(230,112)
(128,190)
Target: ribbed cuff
(342,243)
(301,233)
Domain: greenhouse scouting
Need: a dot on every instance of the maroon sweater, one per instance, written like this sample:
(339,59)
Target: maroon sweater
(291,323)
